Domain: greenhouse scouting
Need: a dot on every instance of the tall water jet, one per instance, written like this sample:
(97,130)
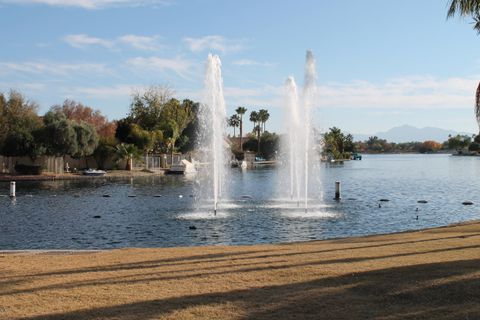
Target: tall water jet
(309,93)
(299,156)
(212,135)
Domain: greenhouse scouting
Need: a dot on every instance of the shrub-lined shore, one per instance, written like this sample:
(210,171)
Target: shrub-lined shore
(429,274)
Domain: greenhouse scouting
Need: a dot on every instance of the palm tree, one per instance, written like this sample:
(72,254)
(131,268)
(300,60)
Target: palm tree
(255,118)
(241,111)
(466,8)
(127,152)
(234,121)
(477,105)
(263,115)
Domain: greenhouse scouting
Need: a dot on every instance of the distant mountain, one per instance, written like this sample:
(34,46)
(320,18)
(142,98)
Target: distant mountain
(408,133)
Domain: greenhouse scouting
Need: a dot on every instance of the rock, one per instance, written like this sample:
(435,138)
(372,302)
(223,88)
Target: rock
(467,203)
(422,201)
(192,228)
(97,217)
(180,196)
(384,200)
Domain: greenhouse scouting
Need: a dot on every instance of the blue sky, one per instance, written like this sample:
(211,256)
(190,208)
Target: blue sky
(380,63)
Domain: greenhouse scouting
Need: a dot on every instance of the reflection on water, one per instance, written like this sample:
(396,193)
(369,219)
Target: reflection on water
(163,213)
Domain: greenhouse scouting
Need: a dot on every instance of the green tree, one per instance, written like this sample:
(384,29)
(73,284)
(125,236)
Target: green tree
(58,134)
(147,106)
(86,140)
(459,142)
(241,111)
(18,119)
(105,148)
(466,8)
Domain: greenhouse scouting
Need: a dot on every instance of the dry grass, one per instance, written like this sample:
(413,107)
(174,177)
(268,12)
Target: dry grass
(431,274)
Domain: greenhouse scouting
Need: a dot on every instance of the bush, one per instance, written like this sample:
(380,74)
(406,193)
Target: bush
(30,170)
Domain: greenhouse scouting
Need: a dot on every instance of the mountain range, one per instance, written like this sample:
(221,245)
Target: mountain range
(407,133)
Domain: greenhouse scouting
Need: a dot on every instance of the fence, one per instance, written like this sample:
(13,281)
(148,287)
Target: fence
(49,164)
(155,162)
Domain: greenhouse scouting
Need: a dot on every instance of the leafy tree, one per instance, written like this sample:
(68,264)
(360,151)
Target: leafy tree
(87,140)
(459,142)
(147,106)
(18,118)
(430,146)
(58,135)
(466,8)
(175,118)
(78,112)
(241,111)
(105,148)
(21,142)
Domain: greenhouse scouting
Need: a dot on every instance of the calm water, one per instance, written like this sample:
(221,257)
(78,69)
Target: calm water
(75,215)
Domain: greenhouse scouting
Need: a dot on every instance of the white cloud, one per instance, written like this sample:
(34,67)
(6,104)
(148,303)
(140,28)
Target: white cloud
(214,43)
(83,40)
(90,4)
(145,43)
(104,92)
(43,67)
(179,65)
(404,93)
(141,42)
(248,62)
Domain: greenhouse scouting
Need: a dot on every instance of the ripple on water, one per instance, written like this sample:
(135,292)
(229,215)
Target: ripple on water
(309,214)
(204,215)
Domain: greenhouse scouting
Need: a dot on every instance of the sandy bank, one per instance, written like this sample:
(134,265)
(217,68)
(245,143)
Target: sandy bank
(430,274)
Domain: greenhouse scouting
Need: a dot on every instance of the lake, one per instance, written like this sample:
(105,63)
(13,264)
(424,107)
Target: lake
(160,211)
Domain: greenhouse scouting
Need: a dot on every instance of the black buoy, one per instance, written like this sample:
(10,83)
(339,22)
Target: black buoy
(422,201)
(384,200)
(379,205)
(97,217)
(416,209)
(416,217)
(106,196)
(192,228)
(467,203)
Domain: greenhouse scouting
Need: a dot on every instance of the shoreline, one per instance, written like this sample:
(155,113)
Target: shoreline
(113,174)
(423,274)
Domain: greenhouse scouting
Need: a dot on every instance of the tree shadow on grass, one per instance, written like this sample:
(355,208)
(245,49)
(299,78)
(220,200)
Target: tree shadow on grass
(447,290)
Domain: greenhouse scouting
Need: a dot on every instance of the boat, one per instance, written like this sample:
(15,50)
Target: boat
(94,173)
(356,156)
(184,167)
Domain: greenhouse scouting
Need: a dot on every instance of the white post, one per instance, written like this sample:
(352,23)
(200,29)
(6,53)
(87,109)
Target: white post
(12,189)
(337,190)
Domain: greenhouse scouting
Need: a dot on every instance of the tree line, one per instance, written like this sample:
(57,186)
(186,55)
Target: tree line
(339,145)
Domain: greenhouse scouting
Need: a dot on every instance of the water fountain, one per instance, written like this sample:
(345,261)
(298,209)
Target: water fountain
(212,135)
(301,156)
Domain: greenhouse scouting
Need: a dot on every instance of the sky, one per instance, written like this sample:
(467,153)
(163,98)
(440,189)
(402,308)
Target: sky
(380,63)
